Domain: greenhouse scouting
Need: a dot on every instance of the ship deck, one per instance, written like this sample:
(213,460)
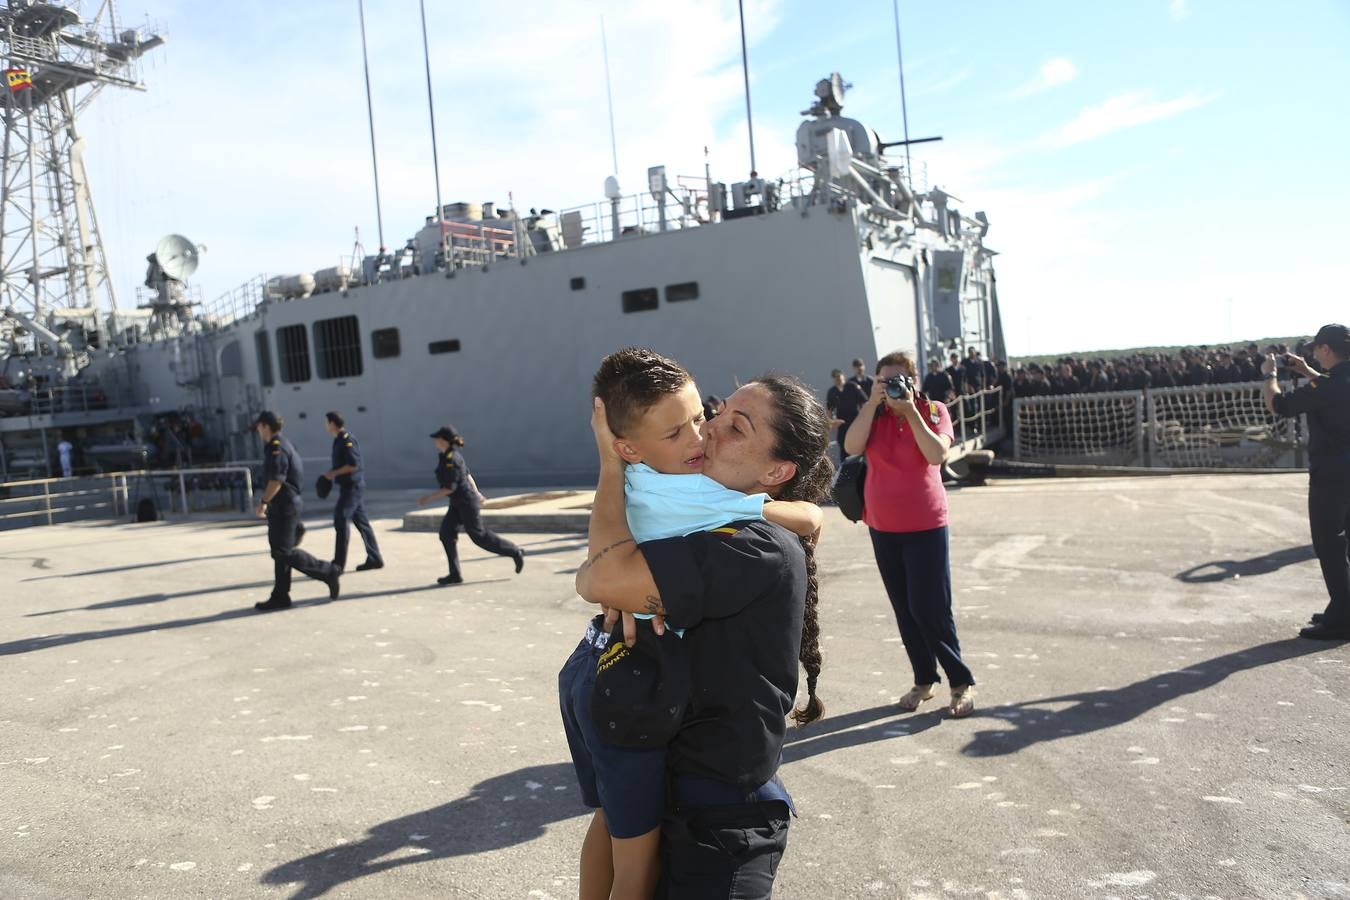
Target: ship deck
(1148,724)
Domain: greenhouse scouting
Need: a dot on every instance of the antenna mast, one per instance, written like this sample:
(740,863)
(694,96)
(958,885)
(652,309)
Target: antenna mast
(904,108)
(370,116)
(745,69)
(609,95)
(431,109)
(56,62)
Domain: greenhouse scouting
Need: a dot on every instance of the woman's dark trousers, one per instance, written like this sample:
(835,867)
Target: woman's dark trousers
(916,570)
(468,518)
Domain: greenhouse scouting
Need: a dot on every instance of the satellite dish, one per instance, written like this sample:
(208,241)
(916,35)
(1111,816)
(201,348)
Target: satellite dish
(837,87)
(177,256)
(612,191)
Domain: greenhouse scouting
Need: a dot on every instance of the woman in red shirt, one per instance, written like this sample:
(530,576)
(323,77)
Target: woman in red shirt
(905,439)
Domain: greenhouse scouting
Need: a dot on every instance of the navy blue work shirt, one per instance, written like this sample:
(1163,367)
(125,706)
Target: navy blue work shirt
(1326,403)
(453,475)
(346,452)
(282,463)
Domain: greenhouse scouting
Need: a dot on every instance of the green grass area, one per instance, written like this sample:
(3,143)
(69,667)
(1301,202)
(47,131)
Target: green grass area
(1173,350)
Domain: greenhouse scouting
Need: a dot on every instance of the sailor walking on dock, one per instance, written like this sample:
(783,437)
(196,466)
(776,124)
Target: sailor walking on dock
(282,507)
(349,475)
(455,482)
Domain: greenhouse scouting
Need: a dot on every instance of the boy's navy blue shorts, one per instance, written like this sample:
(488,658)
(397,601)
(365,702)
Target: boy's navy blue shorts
(629,785)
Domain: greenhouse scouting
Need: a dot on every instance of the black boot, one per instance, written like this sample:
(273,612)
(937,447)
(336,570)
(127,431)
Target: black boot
(271,605)
(450,579)
(519,557)
(370,564)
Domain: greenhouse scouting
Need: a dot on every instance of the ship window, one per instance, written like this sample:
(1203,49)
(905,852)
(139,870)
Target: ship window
(686,291)
(337,347)
(451,346)
(640,300)
(578,284)
(293,354)
(264,350)
(384,343)
(231,360)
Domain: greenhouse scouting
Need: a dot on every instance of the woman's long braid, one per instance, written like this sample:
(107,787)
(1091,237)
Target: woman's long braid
(802,436)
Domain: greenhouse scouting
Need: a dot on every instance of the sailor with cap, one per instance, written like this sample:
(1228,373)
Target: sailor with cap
(455,482)
(350,476)
(1325,400)
(282,507)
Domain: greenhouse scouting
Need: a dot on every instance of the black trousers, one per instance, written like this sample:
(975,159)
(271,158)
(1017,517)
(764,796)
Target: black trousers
(723,852)
(916,570)
(1329,518)
(466,516)
(351,510)
(282,521)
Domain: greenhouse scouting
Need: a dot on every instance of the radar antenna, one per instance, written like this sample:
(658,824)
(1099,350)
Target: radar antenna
(56,62)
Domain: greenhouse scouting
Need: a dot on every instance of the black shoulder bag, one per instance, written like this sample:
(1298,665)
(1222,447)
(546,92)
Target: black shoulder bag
(848,487)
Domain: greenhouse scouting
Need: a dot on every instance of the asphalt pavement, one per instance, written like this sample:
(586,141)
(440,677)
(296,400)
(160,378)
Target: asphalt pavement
(1148,724)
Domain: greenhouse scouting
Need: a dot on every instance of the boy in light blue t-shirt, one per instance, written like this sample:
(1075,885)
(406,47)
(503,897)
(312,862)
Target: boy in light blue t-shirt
(655,413)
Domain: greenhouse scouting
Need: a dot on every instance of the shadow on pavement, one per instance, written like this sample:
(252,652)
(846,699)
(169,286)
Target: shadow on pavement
(149,565)
(838,732)
(503,811)
(150,598)
(1224,569)
(27,645)
(1101,709)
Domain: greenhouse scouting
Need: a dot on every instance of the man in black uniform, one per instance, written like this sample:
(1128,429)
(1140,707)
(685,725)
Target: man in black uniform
(1325,400)
(350,477)
(281,505)
(861,378)
(937,384)
(843,401)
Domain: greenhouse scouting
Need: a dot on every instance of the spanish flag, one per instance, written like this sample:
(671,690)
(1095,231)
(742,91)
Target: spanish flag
(18,79)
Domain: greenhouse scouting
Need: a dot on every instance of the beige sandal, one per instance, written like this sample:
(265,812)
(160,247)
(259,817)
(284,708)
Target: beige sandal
(963,701)
(915,696)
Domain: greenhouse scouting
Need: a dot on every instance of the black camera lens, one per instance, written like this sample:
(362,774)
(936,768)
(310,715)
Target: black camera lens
(897,386)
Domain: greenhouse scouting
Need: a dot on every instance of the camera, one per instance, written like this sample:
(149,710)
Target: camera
(897,386)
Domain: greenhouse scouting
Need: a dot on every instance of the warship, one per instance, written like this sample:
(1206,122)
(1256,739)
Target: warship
(490,318)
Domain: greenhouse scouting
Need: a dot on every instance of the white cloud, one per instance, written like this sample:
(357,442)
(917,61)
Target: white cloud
(1053,73)
(942,85)
(1118,113)
(1178,9)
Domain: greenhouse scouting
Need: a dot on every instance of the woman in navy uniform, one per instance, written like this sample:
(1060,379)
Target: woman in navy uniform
(282,507)
(455,482)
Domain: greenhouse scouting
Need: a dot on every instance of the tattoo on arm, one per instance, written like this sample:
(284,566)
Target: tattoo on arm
(597,557)
(654,606)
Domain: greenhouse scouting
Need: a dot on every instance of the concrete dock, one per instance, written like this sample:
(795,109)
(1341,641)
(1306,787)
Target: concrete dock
(1148,723)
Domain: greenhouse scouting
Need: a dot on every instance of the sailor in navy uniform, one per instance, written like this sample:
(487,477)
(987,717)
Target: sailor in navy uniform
(455,482)
(282,507)
(1325,400)
(350,477)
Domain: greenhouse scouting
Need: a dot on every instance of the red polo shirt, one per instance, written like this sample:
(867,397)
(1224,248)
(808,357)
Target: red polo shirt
(903,491)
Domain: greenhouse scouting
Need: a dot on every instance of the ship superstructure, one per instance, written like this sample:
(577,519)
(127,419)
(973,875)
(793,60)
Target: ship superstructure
(494,319)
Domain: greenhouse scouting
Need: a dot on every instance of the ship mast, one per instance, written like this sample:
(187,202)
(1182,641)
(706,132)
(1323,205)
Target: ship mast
(56,61)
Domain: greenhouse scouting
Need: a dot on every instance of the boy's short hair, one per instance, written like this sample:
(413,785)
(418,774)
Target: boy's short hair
(630,382)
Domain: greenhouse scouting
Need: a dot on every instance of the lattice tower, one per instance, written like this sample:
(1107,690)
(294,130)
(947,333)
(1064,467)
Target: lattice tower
(58,57)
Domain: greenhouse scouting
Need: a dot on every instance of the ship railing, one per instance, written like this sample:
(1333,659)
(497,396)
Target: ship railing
(80,398)
(979,416)
(48,501)
(144,494)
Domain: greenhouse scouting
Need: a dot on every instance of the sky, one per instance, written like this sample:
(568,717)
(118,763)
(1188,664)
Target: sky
(1154,171)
